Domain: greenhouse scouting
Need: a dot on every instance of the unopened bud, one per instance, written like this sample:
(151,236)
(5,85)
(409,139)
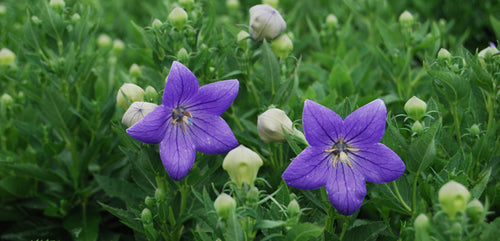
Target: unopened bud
(118,47)
(406,19)
(444,56)
(6,100)
(183,56)
(149,201)
(136,112)
(242,39)
(146,216)
(487,52)
(474,130)
(129,93)
(156,24)
(474,210)
(150,94)
(160,196)
(453,198)
(417,127)
(233,5)
(272,3)
(187,4)
(3,10)
(7,57)
(103,41)
(293,208)
(57,5)
(282,46)
(242,165)
(75,18)
(224,206)
(35,20)
(135,70)
(265,22)
(422,223)
(331,21)
(415,108)
(271,123)
(178,18)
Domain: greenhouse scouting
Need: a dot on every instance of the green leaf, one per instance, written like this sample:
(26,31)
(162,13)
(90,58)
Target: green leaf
(234,232)
(453,86)
(479,187)
(423,149)
(35,172)
(83,226)
(271,68)
(364,230)
(265,224)
(340,80)
(126,191)
(303,231)
(127,217)
(495,23)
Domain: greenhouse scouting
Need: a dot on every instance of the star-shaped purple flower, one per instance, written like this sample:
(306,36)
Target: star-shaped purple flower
(188,120)
(343,154)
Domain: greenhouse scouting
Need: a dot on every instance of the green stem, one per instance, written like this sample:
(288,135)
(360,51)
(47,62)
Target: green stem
(400,198)
(414,190)
(454,112)
(185,190)
(491,110)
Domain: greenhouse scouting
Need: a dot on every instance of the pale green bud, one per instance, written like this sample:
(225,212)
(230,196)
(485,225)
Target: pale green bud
(187,4)
(474,210)
(6,100)
(75,18)
(444,55)
(406,19)
(265,22)
(178,18)
(417,127)
(453,198)
(129,93)
(3,10)
(146,216)
(272,3)
(183,56)
(415,108)
(487,52)
(135,70)
(474,130)
(242,39)
(57,5)
(103,41)
(160,195)
(136,112)
(422,223)
(293,208)
(271,123)
(149,201)
(282,46)
(118,47)
(233,5)
(35,20)
(331,21)
(157,24)
(150,94)
(224,206)
(242,165)
(7,57)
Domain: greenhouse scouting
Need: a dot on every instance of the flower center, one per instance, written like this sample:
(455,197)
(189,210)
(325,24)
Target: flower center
(340,151)
(182,116)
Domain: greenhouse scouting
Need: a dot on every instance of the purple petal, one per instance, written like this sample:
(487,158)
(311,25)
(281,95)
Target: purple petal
(211,134)
(177,152)
(365,125)
(345,189)
(322,126)
(309,170)
(181,86)
(215,98)
(151,129)
(377,163)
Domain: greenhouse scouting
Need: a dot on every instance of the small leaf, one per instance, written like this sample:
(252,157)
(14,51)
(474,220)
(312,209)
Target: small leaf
(303,231)
(234,232)
(271,68)
(478,189)
(422,150)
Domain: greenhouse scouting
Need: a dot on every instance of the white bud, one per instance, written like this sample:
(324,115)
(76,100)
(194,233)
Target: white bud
(270,124)
(242,165)
(178,18)
(129,93)
(224,205)
(265,22)
(136,112)
(57,5)
(487,52)
(7,57)
(103,40)
(453,198)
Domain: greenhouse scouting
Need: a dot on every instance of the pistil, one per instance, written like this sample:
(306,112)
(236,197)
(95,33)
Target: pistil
(340,151)
(182,116)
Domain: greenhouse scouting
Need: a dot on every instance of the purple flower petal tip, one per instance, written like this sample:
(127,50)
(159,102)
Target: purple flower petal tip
(344,154)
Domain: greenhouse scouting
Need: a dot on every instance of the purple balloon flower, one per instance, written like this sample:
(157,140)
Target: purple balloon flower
(343,154)
(188,120)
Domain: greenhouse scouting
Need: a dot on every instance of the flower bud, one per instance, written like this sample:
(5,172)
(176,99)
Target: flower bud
(183,56)
(118,47)
(136,112)
(415,108)
(293,208)
(487,52)
(6,100)
(3,10)
(444,56)
(474,130)
(129,93)
(242,165)
(178,18)
(224,205)
(35,20)
(331,21)
(406,19)
(7,57)
(272,3)
(135,70)
(242,39)
(475,210)
(160,196)
(233,5)
(265,22)
(57,5)
(417,127)
(282,46)
(146,216)
(453,198)
(75,18)
(156,24)
(149,201)
(270,124)
(103,41)
(150,94)
(187,4)
(422,223)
